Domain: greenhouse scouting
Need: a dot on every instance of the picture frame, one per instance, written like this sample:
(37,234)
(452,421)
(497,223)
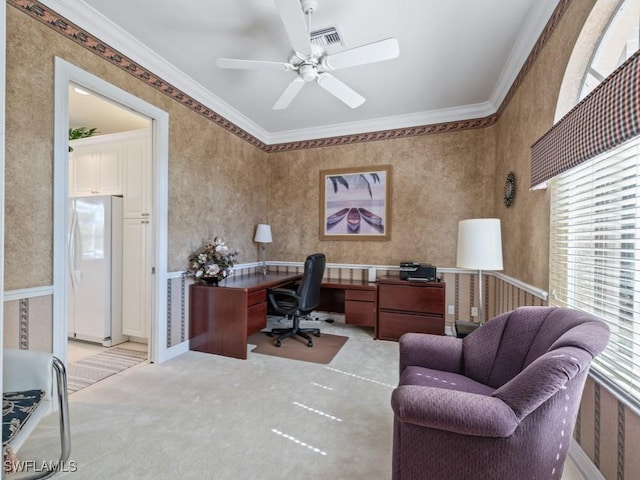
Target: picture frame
(355,203)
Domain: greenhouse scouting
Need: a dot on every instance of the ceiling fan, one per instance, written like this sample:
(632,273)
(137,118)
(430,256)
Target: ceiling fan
(309,60)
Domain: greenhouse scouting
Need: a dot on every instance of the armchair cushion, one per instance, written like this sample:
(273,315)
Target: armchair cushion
(427,377)
(17,408)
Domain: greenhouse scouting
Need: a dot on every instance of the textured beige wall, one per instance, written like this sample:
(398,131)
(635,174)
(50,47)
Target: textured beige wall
(216,180)
(436,181)
(531,112)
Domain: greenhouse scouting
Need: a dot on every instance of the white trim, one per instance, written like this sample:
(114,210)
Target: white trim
(88,18)
(480,110)
(583,462)
(538,292)
(172,352)
(19,294)
(535,291)
(66,72)
(537,19)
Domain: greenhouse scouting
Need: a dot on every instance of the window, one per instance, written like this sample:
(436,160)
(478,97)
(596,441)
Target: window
(595,227)
(595,254)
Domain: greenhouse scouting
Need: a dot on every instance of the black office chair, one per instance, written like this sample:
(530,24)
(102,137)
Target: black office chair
(298,303)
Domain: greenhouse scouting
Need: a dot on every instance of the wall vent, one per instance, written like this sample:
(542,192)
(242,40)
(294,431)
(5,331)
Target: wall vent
(326,36)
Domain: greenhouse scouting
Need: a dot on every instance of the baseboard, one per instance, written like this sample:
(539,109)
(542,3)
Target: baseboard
(174,351)
(583,462)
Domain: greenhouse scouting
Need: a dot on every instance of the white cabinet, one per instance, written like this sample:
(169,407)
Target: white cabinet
(136,276)
(137,177)
(137,244)
(95,169)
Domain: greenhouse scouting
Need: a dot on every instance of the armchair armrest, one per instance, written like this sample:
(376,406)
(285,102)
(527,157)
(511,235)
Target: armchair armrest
(27,370)
(431,351)
(453,411)
(30,370)
(540,380)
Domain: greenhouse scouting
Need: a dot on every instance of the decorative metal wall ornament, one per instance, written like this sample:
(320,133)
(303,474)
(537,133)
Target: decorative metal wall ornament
(509,189)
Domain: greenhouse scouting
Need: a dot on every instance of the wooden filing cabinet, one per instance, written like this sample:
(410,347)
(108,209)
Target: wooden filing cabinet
(409,306)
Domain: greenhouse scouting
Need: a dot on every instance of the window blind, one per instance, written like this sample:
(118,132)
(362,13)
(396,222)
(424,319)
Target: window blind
(595,254)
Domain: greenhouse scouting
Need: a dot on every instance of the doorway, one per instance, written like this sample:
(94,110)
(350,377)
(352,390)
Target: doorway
(68,77)
(108,289)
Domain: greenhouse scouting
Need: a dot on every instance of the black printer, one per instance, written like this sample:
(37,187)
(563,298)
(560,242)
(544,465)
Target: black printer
(424,272)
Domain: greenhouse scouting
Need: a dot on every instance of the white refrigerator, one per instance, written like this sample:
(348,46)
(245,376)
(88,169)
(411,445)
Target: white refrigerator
(95,270)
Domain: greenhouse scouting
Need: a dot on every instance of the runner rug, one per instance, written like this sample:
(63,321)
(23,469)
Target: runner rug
(92,369)
(325,347)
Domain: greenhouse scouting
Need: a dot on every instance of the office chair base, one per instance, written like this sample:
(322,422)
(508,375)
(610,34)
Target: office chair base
(293,331)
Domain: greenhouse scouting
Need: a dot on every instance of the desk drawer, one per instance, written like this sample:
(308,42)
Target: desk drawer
(360,295)
(360,313)
(258,296)
(256,318)
(391,325)
(422,299)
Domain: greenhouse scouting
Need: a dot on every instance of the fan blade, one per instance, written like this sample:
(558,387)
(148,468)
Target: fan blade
(294,23)
(252,64)
(370,53)
(337,88)
(289,93)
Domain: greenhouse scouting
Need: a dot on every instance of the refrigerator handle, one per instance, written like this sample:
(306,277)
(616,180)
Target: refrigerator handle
(73,234)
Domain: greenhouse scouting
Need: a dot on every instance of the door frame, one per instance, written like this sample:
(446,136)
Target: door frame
(65,73)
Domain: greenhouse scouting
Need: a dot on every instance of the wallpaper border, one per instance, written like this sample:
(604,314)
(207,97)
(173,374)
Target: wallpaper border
(50,18)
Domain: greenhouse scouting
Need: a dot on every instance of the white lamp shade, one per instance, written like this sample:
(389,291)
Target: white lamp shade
(263,233)
(480,244)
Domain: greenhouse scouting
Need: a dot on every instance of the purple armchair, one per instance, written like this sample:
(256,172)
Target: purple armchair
(500,403)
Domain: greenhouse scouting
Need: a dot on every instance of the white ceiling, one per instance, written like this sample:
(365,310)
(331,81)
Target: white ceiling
(457,60)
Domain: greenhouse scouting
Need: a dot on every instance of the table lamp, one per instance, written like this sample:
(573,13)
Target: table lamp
(480,248)
(263,236)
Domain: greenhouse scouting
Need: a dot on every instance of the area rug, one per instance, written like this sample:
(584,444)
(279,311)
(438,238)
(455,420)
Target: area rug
(325,347)
(92,369)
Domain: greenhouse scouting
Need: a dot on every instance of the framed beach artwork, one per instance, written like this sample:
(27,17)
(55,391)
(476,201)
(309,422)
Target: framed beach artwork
(355,203)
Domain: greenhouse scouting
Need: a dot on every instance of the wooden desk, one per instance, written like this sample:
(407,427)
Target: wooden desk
(358,301)
(221,318)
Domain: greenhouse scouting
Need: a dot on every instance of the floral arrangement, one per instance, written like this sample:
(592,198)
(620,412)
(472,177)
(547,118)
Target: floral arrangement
(212,262)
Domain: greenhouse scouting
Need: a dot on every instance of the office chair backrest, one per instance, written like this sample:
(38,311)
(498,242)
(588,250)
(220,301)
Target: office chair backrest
(309,288)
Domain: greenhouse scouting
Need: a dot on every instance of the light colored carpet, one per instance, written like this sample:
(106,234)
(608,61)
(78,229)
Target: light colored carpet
(97,367)
(204,417)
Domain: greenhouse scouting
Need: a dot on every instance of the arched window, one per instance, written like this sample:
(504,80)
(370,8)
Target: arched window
(619,41)
(594,260)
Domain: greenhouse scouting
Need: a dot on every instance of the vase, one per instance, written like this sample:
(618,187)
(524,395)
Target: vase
(211,281)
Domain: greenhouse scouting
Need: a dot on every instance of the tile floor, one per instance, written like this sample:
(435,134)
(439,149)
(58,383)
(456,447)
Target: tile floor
(77,350)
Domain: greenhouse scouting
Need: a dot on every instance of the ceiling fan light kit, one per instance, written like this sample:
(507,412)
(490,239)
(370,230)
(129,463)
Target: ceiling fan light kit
(309,60)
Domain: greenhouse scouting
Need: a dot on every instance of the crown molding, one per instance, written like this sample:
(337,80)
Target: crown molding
(85,26)
(537,19)
(456,114)
(86,17)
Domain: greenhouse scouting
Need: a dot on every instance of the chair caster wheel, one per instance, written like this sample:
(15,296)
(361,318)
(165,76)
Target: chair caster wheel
(270,334)
(310,344)
(317,334)
(278,343)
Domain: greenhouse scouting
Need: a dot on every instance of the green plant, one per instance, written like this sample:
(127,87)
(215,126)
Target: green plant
(81,132)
